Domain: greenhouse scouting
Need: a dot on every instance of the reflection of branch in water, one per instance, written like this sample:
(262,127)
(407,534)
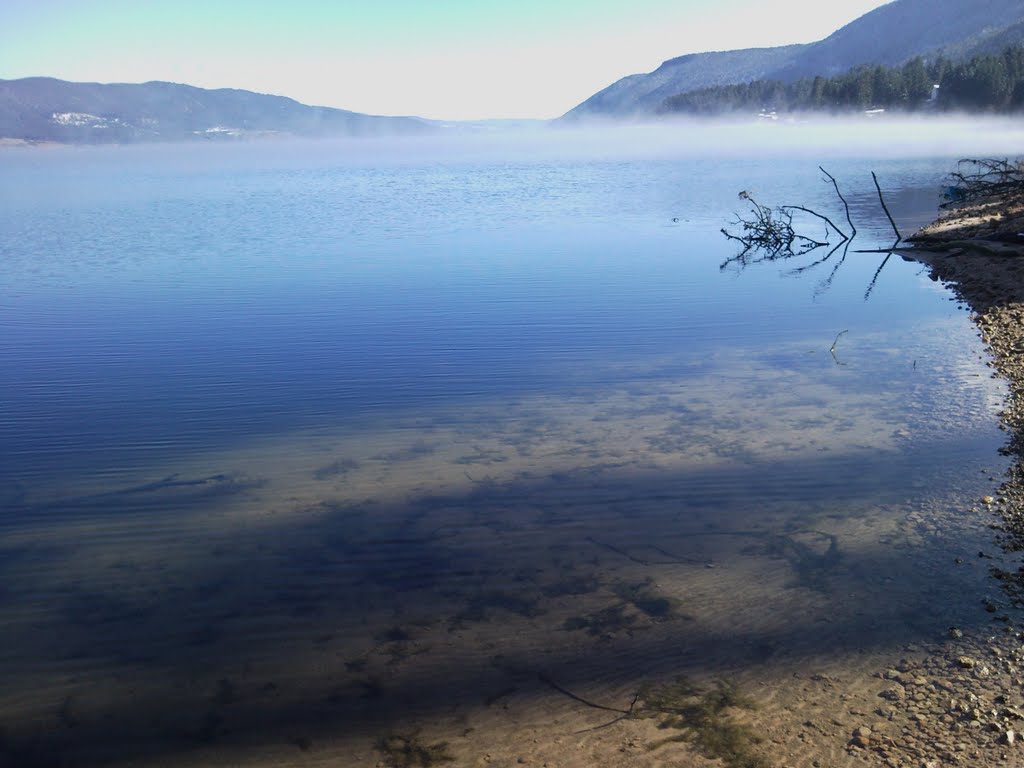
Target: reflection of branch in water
(807,267)
(832,349)
(871,285)
(825,284)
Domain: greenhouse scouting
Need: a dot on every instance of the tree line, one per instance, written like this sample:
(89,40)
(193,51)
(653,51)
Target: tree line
(986,83)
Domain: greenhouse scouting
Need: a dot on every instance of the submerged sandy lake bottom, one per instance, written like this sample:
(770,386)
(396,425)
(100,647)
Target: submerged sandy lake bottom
(318,503)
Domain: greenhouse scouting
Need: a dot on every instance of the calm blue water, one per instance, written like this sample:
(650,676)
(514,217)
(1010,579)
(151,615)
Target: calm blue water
(394,407)
(152,306)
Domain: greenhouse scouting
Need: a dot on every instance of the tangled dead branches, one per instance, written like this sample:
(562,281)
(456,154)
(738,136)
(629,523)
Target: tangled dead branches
(770,232)
(770,235)
(975,179)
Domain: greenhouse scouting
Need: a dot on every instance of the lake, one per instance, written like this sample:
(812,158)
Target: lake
(337,451)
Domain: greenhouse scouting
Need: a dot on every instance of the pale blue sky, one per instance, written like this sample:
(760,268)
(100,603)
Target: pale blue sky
(451,59)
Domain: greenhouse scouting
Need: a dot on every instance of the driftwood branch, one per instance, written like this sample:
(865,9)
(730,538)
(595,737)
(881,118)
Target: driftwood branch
(622,713)
(548,681)
(615,720)
(886,208)
(821,216)
(770,235)
(846,205)
(675,559)
(832,349)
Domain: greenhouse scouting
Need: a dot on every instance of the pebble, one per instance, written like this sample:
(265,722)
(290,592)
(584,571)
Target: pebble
(862,737)
(894,693)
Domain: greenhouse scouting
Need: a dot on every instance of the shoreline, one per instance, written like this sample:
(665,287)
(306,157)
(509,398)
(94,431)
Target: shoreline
(976,250)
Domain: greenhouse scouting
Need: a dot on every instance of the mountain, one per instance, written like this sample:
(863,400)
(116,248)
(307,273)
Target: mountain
(998,42)
(644,93)
(891,34)
(45,109)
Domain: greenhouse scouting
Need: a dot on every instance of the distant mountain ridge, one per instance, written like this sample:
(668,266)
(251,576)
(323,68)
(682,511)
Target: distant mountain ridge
(47,109)
(890,35)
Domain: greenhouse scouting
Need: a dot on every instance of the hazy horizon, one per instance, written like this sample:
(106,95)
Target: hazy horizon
(817,136)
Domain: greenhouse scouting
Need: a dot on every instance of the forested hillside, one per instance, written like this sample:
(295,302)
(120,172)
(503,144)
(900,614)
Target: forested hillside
(987,83)
(889,36)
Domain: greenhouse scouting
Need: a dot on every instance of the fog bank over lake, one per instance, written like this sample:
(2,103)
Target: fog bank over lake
(815,137)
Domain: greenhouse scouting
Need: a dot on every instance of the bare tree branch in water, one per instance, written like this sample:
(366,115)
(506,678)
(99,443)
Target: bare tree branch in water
(770,235)
(885,208)
(846,205)
(821,216)
(896,242)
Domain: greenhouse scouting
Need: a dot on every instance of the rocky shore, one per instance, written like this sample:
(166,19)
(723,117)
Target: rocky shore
(977,250)
(959,702)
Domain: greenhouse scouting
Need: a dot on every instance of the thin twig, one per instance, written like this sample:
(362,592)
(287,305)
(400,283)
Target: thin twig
(832,349)
(618,551)
(845,204)
(676,559)
(826,219)
(886,209)
(548,681)
(618,719)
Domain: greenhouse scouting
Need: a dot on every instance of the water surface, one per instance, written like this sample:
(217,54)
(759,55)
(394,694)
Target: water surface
(306,445)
